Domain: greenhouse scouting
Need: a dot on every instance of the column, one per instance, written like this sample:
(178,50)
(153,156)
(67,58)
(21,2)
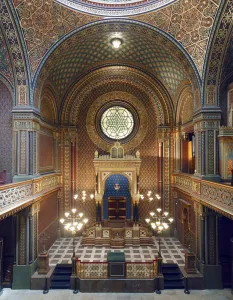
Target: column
(209,263)
(26,247)
(25,146)
(68,149)
(177,150)
(164,143)
(57,147)
(206,132)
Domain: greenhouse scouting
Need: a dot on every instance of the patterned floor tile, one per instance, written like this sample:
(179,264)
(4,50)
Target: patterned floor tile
(171,249)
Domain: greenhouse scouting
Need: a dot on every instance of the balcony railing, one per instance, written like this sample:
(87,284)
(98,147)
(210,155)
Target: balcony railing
(16,196)
(217,196)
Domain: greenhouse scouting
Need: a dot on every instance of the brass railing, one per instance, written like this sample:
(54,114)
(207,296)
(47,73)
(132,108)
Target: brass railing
(134,270)
(217,196)
(16,196)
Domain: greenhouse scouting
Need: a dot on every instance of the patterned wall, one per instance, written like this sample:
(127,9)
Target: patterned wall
(5,131)
(184,202)
(5,65)
(48,220)
(122,192)
(46,153)
(86,149)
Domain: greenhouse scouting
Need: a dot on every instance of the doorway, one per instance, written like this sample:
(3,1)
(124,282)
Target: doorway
(117,202)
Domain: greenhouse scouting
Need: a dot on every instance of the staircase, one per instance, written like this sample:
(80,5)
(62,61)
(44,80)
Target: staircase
(61,276)
(173,278)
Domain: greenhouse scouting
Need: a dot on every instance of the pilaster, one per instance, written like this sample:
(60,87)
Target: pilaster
(26,129)
(206,130)
(208,262)
(68,142)
(177,150)
(164,140)
(26,246)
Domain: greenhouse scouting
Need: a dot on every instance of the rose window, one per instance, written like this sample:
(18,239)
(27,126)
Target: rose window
(117,122)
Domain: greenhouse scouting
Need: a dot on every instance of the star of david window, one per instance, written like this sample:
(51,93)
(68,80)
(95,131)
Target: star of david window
(117,122)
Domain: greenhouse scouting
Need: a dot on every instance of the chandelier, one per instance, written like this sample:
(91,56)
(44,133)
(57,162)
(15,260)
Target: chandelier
(149,196)
(83,196)
(159,222)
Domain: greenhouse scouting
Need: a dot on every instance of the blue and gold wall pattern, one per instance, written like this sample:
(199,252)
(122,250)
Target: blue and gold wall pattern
(122,192)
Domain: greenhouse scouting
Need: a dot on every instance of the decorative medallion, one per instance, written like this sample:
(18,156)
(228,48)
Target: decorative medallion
(117,122)
(115,8)
(109,119)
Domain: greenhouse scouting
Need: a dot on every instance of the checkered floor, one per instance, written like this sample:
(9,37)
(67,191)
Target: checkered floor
(61,252)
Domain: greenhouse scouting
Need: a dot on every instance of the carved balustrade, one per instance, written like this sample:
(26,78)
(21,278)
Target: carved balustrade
(16,196)
(217,196)
(99,270)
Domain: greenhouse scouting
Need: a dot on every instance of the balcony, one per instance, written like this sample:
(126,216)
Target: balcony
(216,196)
(16,196)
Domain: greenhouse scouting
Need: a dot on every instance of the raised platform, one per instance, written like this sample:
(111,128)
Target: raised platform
(117,234)
(61,252)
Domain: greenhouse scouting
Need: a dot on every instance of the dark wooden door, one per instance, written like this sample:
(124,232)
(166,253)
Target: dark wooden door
(117,208)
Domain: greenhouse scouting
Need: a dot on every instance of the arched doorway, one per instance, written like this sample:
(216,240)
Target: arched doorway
(117,202)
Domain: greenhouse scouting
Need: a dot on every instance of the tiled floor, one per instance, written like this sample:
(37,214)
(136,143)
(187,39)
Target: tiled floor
(171,249)
(9,294)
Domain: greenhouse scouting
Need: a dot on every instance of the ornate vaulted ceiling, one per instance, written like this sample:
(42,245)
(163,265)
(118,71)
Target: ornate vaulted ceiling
(116,8)
(44,22)
(91,47)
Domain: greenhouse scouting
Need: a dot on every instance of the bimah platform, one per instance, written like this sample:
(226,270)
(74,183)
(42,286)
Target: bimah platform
(116,264)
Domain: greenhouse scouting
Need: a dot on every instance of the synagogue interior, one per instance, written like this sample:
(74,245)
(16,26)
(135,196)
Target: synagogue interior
(116,145)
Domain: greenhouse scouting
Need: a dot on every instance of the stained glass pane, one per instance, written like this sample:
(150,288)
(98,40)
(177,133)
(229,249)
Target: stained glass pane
(117,122)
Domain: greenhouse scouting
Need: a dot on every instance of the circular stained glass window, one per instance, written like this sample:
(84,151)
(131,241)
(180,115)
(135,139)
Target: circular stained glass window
(117,122)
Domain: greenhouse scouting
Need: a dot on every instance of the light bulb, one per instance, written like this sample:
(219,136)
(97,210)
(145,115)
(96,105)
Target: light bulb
(170,220)
(80,225)
(71,228)
(76,196)
(158,223)
(147,221)
(159,210)
(62,220)
(67,214)
(152,214)
(91,196)
(74,210)
(165,214)
(85,221)
(160,227)
(75,223)
(116,43)
(150,198)
(80,215)
(165,225)
(153,225)
(142,197)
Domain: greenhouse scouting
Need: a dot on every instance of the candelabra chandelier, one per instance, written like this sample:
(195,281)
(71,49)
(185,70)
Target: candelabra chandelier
(73,222)
(149,196)
(83,196)
(159,222)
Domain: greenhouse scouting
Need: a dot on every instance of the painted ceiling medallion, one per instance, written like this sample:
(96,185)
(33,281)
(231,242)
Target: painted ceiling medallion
(115,8)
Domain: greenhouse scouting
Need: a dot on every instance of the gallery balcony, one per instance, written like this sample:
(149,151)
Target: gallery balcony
(16,196)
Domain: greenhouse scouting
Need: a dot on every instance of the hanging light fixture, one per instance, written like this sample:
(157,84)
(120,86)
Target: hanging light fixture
(116,43)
